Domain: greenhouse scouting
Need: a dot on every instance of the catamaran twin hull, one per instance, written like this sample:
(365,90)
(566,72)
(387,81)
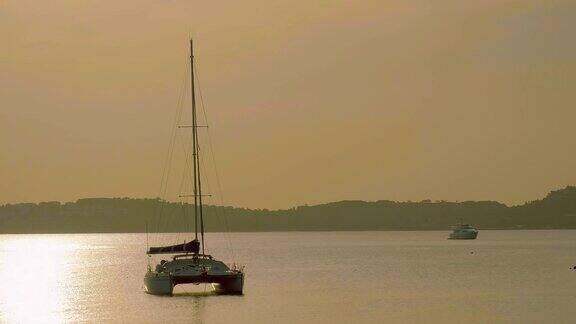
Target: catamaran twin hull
(194,269)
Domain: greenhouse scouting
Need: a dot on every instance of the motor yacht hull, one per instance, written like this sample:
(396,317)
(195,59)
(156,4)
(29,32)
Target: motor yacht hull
(463,236)
(463,232)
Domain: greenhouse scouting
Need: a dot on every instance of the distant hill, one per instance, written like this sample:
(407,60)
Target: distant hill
(104,215)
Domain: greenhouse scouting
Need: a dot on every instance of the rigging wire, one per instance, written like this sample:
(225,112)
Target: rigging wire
(206,184)
(162,213)
(166,170)
(183,189)
(217,175)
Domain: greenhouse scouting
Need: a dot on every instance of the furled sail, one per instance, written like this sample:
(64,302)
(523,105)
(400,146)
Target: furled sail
(190,247)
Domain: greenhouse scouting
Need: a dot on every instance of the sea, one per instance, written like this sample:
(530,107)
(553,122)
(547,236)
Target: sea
(520,276)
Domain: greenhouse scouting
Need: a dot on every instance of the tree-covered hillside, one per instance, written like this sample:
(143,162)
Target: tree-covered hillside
(91,215)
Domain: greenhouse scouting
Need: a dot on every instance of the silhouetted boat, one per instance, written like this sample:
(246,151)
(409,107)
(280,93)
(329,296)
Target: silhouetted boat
(188,265)
(463,232)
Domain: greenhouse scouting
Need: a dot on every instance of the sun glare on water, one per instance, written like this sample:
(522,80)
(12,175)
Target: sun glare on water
(34,274)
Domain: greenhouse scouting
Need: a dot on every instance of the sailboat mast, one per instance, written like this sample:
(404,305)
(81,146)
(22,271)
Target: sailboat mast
(194,143)
(196,156)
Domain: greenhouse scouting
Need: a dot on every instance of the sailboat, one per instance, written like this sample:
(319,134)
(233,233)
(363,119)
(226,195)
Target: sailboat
(189,263)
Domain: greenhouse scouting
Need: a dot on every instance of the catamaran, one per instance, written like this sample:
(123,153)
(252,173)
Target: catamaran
(189,263)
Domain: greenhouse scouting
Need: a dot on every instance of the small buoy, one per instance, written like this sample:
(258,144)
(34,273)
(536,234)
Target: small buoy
(574,268)
(472,252)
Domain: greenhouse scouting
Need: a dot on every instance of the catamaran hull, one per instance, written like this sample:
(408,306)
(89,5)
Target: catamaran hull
(233,286)
(158,284)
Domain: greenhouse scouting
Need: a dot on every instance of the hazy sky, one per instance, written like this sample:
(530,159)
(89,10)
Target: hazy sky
(309,101)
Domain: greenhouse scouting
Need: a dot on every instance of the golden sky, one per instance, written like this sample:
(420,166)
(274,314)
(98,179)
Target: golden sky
(309,101)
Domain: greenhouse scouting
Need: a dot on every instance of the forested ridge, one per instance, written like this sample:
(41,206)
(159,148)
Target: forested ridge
(104,215)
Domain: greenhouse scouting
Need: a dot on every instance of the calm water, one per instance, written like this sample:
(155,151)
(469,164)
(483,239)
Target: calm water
(334,277)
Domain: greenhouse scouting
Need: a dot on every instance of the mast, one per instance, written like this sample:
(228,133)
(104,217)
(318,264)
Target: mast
(194,144)
(198,215)
(193,246)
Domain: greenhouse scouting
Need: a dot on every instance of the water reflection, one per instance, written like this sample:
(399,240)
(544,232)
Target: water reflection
(198,299)
(34,271)
(196,295)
